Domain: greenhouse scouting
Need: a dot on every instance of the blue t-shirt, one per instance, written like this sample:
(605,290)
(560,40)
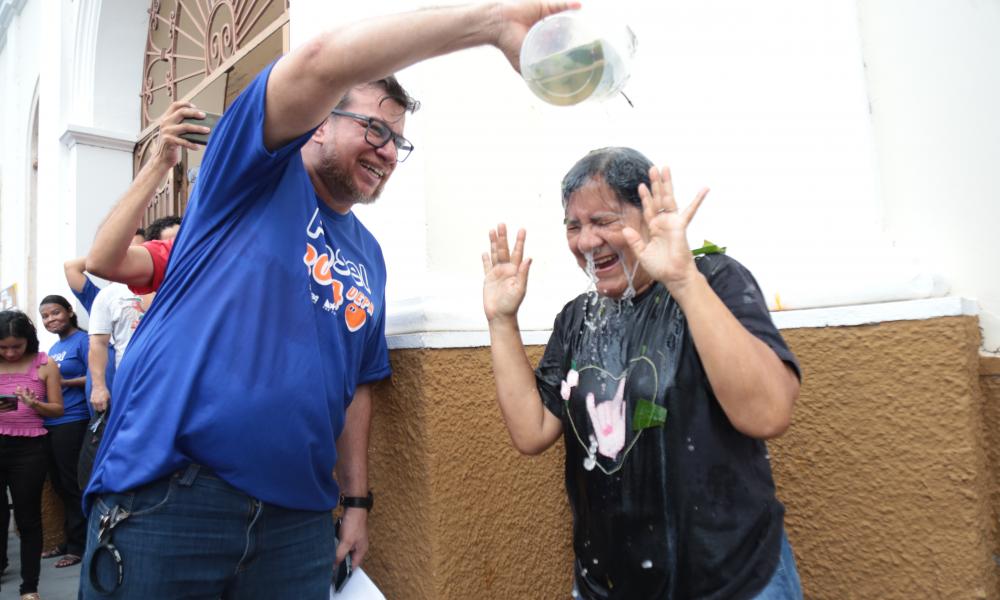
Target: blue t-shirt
(270,314)
(86,297)
(71,356)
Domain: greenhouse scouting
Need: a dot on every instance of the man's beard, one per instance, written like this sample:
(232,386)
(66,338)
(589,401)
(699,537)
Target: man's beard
(340,183)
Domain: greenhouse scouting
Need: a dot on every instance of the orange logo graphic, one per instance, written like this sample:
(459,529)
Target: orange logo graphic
(319,267)
(358,310)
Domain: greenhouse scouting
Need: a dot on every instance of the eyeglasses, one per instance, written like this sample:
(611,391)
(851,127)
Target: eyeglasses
(378,134)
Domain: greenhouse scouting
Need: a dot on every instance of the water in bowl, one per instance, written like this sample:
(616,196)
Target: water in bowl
(574,75)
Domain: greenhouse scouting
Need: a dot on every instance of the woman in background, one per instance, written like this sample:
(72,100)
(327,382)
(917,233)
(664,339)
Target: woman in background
(30,390)
(66,432)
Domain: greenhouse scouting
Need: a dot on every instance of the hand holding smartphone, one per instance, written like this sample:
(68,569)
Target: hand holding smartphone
(342,572)
(201,138)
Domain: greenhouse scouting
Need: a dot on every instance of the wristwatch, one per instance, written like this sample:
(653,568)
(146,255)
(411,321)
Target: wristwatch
(358,502)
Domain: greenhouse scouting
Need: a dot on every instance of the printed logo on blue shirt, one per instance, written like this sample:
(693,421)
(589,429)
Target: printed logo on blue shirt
(322,265)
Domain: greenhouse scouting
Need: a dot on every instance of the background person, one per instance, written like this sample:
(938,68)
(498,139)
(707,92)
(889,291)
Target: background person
(82,286)
(29,375)
(116,313)
(164,228)
(114,317)
(85,290)
(119,311)
(679,505)
(66,432)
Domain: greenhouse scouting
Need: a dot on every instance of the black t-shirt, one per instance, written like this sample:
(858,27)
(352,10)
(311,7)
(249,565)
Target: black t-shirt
(677,511)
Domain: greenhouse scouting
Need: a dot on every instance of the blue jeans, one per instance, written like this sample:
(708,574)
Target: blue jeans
(784,584)
(192,535)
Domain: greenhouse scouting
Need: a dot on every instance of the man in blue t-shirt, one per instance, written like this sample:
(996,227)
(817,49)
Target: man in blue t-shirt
(248,380)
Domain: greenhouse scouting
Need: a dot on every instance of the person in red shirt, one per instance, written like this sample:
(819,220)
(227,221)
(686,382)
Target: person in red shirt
(159,255)
(161,241)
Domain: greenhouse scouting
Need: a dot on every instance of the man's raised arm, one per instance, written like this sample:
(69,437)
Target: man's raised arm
(306,84)
(74,270)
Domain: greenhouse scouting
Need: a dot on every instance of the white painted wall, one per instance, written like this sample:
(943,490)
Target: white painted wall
(19,68)
(933,71)
(765,103)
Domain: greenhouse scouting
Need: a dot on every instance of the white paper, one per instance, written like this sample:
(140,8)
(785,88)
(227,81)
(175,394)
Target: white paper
(358,587)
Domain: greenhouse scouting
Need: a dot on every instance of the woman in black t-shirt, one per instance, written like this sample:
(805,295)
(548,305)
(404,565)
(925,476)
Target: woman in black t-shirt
(665,381)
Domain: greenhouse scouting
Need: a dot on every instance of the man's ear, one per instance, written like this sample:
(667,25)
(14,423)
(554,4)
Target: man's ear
(319,135)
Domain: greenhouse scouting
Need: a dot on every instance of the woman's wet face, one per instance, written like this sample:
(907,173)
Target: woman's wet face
(12,348)
(55,318)
(595,218)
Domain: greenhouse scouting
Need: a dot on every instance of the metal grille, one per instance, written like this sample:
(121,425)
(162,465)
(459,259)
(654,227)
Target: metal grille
(188,40)
(192,46)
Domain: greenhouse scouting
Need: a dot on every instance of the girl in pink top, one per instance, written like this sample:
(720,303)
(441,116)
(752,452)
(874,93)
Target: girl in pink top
(30,389)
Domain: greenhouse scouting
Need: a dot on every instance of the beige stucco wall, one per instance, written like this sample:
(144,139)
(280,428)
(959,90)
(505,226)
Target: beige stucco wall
(884,471)
(53,533)
(461,514)
(884,474)
(989,380)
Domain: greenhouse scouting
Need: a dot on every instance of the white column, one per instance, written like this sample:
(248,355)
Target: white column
(100,170)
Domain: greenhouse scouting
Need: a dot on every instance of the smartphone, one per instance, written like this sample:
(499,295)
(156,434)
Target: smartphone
(8,402)
(343,570)
(201,138)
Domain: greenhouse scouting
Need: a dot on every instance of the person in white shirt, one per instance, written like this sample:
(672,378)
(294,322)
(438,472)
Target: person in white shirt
(113,318)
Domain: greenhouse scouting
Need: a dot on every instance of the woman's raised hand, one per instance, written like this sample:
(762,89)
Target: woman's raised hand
(506,273)
(666,255)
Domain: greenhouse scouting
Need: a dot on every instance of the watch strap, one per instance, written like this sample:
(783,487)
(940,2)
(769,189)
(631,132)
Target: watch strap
(365,502)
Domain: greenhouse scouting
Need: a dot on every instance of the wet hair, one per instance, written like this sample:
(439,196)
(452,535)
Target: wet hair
(63,302)
(155,229)
(393,91)
(14,323)
(623,169)
(140,231)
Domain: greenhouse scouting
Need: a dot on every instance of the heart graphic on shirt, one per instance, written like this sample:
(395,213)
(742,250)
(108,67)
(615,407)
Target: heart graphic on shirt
(608,401)
(355,317)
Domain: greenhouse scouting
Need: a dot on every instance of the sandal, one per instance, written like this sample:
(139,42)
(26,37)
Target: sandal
(68,561)
(58,551)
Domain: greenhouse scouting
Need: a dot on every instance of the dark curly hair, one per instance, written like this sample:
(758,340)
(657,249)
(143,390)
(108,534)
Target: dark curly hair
(156,228)
(14,323)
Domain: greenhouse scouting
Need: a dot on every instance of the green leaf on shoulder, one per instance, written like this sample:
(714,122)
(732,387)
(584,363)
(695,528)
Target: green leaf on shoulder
(709,248)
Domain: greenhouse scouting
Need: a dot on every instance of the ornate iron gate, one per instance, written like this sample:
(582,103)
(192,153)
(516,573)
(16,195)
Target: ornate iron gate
(206,52)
